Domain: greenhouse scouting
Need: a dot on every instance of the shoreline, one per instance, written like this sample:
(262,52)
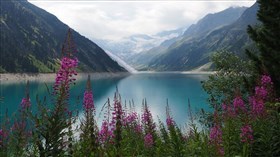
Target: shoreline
(6,78)
(176,72)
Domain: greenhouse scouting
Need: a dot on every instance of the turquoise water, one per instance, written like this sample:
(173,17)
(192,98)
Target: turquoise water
(155,87)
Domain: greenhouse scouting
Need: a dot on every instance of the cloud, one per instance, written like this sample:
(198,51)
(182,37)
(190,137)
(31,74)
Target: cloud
(117,19)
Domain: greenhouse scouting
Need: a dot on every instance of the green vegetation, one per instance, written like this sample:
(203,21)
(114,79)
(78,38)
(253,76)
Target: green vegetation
(267,40)
(39,65)
(233,77)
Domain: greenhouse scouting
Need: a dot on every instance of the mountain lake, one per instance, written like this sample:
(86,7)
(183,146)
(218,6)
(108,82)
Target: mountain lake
(156,88)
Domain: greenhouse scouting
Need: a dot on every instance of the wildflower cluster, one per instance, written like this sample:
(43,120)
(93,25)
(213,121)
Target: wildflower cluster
(260,96)
(148,125)
(246,134)
(240,118)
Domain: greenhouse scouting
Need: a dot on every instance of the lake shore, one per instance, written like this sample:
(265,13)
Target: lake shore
(178,72)
(50,77)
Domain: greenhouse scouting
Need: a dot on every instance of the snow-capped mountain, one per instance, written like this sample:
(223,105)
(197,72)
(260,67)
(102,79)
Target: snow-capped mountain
(135,44)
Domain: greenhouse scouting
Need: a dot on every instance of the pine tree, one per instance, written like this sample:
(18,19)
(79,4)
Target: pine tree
(267,39)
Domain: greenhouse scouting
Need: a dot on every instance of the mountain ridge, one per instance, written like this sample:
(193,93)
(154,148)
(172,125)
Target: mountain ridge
(191,53)
(38,36)
(151,59)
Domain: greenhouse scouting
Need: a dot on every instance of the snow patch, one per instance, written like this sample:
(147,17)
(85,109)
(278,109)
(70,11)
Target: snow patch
(121,62)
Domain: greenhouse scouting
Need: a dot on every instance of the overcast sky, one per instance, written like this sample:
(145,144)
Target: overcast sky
(117,19)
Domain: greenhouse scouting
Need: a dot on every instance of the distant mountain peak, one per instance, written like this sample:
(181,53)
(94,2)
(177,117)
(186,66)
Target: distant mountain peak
(214,20)
(194,48)
(215,31)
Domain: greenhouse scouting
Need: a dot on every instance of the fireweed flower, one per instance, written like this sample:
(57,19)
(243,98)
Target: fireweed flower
(246,134)
(130,118)
(261,95)
(105,134)
(117,114)
(261,92)
(148,140)
(117,120)
(3,136)
(147,118)
(169,120)
(216,134)
(228,111)
(138,128)
(265,87)
(216,138)
(1,132)
(25,103)
(88,103)
(148,125)
(266,80)
(68,64)
(238,104)
(64,76)
(88,100)
(257,106)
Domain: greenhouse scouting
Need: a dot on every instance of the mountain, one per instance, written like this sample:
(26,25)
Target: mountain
(207,23)
(130,46)
(214,21)
(31,41)
(194,48)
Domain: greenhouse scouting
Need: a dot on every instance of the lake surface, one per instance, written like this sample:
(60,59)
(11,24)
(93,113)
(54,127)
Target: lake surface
(155,87)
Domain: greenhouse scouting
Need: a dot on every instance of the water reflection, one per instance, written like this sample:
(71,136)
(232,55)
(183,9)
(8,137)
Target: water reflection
(155,87)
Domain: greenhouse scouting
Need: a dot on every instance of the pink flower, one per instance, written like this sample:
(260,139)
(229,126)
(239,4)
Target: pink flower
(105,134)
(257,106)
(3,136)
(25,103)
(216,134)
(266,80)
(130,118)
(147,118)
(148,140)
(261,92)
(138,128)
(169,121)
(238,104)
(64,76)
(246,134)
(117,114)
(88,101)
(216,139)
